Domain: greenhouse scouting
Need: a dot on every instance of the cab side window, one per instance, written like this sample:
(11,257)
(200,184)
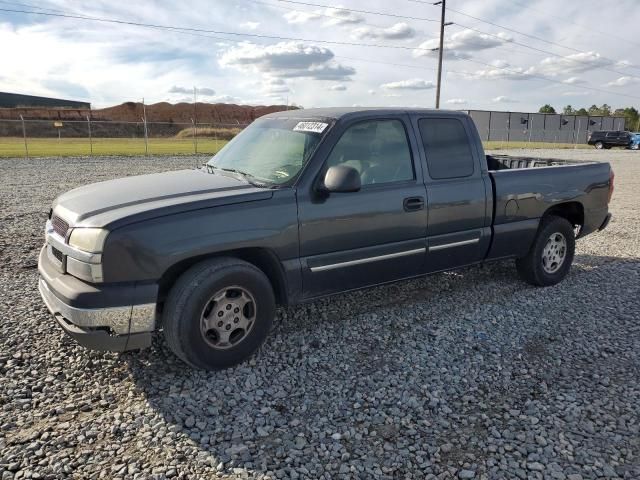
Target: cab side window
(446,145)
(378,149)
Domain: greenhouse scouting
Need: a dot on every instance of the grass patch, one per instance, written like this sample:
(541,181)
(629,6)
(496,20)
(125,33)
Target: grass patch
(71,147)
(181,144)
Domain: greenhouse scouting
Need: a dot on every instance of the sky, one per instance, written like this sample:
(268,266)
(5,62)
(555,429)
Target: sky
(501,55)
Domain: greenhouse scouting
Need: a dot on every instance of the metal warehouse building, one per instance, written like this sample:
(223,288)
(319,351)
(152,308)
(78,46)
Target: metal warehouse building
(16,100)
(540,127)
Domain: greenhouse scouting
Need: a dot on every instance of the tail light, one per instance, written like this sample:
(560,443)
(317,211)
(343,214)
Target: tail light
(612,177)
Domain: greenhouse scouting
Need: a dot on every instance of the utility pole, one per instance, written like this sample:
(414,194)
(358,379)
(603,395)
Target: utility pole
(440,50)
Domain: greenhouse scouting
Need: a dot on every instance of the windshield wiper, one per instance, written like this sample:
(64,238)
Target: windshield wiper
(246,176)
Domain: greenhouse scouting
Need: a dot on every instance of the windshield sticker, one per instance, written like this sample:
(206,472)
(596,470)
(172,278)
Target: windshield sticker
(315,127)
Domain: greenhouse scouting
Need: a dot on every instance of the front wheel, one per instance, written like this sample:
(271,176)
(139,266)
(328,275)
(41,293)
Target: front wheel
(635,146)
(549,259)
(218,313)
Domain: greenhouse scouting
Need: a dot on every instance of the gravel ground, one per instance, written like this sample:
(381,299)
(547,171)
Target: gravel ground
(472,374)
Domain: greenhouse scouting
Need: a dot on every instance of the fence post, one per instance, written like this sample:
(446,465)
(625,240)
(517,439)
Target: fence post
(195,136)
(90,139)
(215,137)
(24,135)
(146,145)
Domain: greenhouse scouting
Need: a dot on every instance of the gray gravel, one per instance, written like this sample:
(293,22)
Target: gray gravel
(468,375)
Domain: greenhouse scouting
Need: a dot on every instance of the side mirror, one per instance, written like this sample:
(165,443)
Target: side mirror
(342,179)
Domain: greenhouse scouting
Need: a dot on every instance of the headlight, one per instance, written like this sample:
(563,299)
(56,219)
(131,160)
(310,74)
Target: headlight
(88,239)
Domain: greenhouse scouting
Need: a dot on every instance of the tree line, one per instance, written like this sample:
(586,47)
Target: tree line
(631,114)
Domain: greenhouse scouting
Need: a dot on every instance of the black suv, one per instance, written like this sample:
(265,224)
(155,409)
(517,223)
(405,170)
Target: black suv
(608,139)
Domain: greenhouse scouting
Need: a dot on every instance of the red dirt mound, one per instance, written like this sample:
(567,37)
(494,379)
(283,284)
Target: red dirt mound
(157,112)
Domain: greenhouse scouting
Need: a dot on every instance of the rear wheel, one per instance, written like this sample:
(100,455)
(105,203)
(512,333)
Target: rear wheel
(635,146)
(549,259)
(218,313)
(599,145)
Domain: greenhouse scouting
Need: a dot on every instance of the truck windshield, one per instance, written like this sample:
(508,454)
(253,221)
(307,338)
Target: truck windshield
(271,150)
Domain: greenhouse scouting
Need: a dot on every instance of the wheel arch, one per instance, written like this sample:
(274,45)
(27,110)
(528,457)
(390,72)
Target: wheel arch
(571,211)
(262,258)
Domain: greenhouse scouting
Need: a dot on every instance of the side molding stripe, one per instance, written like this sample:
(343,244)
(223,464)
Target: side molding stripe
(360,261)
(434,248)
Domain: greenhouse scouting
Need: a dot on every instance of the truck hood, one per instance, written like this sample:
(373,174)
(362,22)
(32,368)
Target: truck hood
(127,200)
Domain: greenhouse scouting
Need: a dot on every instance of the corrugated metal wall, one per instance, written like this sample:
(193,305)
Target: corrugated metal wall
(540,127)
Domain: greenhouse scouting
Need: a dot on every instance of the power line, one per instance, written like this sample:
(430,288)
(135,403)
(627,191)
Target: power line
(291,9)
(219,32)
(565,20)
(369,12)
(524,45)
(534,37)
(560,82)
(201,32)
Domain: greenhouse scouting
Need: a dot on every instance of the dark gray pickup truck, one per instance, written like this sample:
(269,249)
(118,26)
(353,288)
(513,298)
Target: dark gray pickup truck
(300,205)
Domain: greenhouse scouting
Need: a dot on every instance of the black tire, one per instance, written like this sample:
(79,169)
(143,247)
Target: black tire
(599,145)
(191,296)
(532,268)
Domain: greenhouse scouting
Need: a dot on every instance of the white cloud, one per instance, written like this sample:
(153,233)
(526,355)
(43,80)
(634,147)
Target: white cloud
(287,59)
(301,17)
(503,99)
(575,63)
(371,92)
(250,25)
(621,82)
(457,45)
(489,73)
(338,88)
(204,91)
(456,101)
(411,84)
(573,81)
(578,93)
(398,31)
(342,16)
(333,15)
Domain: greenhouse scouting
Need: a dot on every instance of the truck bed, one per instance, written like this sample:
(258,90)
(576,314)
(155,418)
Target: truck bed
(508,162)
(524,189)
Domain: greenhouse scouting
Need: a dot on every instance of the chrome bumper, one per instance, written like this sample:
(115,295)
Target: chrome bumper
(112,328)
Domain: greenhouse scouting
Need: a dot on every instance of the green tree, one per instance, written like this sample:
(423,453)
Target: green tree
(594,110)
(632,118)
(582,111)
(568,110)
(547,109)
(605,110)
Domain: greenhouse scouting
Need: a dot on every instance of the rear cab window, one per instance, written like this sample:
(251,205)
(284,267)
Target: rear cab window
(447,148)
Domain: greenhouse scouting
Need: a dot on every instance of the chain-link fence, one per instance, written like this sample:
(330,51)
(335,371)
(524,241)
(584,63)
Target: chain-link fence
(42,138)
(37,138)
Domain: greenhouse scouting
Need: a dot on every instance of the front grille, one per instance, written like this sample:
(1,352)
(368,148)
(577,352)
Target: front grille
(59,226)
(57,253)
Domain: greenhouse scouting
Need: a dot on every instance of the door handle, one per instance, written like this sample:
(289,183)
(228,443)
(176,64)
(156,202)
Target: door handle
(412,204)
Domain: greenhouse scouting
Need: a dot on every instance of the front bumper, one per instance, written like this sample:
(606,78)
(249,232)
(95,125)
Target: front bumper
(100,317)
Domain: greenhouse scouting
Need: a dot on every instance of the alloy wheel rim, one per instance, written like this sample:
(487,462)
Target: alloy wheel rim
(228,317)
(554,253)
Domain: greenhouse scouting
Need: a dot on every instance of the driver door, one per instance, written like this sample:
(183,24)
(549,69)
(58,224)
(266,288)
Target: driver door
(375,235)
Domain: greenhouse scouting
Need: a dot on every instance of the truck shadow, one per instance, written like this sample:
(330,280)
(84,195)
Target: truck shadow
(321,381)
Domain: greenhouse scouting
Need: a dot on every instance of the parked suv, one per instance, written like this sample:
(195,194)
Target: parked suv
(608,139)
